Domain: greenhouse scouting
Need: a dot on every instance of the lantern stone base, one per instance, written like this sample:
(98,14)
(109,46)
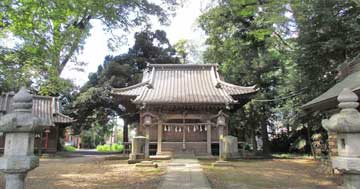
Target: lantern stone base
(351,181)
(15,180)
(347,164)
(147,164)
(222,163)
(350,166)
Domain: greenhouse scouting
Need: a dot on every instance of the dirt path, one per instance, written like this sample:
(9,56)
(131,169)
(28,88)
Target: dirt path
(269,174)
(90,172)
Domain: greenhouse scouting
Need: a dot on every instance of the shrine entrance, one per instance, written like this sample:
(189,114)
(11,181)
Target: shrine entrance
(185,136)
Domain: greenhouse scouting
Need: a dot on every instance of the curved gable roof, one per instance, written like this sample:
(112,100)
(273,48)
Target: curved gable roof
(183,84)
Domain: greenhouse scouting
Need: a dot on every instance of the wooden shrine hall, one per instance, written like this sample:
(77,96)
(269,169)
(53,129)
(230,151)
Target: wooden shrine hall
(182,107)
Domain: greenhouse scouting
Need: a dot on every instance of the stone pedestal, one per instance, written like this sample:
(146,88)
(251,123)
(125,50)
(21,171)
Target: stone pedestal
(137,149)
(346,124)
(19,128)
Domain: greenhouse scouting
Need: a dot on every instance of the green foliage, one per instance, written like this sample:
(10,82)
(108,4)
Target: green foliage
(241,40)
(110,148)
(52,33)
(181,50)
(94,105)
(70,148)
(326,38)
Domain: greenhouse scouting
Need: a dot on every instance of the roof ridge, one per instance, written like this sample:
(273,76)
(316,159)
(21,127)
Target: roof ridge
(182,65)
(236,86)
(130,87)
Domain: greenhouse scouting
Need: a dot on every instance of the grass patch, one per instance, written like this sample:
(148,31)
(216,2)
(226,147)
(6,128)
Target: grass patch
(292,156)
(110,148)
(70,148)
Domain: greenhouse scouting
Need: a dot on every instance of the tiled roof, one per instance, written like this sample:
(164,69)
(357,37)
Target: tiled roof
(183,84)
(328,100)
(44,107)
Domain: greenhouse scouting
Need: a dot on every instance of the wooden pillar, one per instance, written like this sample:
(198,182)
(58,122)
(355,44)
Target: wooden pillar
(147,142)
(47,131)
(208,137)
(184,142)
(159,142)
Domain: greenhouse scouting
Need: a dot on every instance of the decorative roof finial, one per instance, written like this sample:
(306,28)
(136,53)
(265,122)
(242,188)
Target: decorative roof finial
(348,99)
(23,101)
(348,119)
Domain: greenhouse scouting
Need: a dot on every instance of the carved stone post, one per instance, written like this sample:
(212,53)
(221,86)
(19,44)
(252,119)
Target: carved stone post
(346,124)
(19,128)
(221,124)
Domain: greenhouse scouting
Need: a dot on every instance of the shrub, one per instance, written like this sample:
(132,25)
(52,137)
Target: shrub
(117,147)
(70,148)
(108,148)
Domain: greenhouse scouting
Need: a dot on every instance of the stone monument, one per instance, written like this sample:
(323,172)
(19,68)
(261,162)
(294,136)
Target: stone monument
(230,148)
(346,124)
(19,128)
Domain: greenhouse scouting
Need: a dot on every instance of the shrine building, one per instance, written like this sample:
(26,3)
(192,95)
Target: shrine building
(182,107)
(47,108)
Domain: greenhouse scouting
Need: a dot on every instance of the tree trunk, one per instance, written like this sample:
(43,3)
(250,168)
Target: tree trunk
(309,141)
(253,140)
(265,138)
(126,131)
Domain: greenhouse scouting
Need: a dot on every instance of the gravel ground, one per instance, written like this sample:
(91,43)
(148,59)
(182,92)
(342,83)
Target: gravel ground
(270,174)
(90,173)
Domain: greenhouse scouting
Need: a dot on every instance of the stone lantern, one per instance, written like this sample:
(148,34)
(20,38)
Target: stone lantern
(19,128)
(221,123)
(346,124)
(140,146)
(137,149)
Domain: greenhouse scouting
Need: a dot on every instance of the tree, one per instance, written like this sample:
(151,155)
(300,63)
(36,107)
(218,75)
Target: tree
(94,104)
(327,37)
(53,32)
(242,38)
(181,50)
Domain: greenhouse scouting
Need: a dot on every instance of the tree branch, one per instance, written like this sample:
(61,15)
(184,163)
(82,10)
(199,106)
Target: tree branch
(282,40)
(82,26)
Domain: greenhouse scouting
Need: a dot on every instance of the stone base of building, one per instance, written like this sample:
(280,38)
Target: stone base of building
(178,147)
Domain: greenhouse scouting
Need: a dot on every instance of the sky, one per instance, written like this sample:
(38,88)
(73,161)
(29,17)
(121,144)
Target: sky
(183,26)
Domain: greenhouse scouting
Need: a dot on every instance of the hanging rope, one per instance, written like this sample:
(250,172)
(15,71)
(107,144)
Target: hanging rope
(280,98)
